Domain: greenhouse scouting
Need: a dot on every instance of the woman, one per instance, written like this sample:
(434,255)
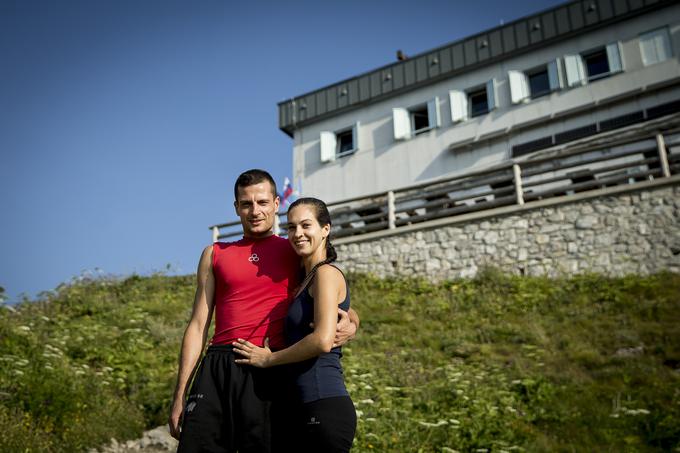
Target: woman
(325,418)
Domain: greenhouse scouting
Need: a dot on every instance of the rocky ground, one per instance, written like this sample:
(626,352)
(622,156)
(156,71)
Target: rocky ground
(157,440)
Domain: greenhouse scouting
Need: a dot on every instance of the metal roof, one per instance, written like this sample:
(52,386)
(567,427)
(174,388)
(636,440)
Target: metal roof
(488,47)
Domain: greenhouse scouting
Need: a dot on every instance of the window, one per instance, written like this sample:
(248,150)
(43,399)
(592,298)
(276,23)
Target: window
(655,46)
(420,121)
(473,102)
(536,82)
(340,143)
(479,104)
(345,141)
(539,82)
(596,64)
(593,65)
(415,120)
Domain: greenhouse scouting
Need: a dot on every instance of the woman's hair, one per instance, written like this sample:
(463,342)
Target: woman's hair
(324,218)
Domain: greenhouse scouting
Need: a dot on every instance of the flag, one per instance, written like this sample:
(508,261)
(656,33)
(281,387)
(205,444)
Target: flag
(289,195)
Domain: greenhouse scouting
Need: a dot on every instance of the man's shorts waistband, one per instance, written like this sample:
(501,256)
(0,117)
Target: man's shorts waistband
(217,348)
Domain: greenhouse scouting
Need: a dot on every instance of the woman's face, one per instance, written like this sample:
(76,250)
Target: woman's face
(304,232)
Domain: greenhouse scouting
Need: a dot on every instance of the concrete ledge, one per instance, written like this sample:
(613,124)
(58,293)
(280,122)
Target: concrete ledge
(514,209)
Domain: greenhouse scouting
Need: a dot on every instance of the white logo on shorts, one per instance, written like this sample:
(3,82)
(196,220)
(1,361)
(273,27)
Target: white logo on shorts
(191,406)
(254,258)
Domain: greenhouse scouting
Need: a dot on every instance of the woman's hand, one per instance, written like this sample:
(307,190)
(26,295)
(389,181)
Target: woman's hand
(254,355)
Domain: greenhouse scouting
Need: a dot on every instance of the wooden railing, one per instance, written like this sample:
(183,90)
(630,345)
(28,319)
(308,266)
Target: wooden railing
(642,153)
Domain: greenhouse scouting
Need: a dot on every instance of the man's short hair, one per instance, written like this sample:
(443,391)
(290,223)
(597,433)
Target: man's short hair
(252,177)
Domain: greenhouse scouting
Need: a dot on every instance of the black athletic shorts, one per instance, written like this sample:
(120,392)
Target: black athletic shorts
(327,425)
(228,408)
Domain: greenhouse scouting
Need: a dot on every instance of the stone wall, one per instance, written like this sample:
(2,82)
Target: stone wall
(614,232)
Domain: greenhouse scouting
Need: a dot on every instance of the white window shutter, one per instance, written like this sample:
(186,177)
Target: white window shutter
(402,124)
(355,136)
(491,94)
(614,57)
(648,50)
(555,74)
(519,88)
(433,113)
(576,74)
(459,105)
(328,145)
(662,43)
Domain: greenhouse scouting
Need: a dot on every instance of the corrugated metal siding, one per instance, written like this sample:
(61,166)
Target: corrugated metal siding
(501,42)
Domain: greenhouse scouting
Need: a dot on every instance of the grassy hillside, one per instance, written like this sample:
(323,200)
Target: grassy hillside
(497,363)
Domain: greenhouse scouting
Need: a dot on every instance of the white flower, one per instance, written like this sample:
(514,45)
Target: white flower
(454,421)
(48,367)
(24,328)
(366,401)
(44,318)
(359,413)
(433,425)
(18,372)
(79,372)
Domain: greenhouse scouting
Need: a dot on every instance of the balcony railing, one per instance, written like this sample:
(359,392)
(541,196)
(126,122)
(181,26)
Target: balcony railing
(647,151)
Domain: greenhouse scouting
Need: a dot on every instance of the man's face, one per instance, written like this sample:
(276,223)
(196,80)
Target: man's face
(256,206)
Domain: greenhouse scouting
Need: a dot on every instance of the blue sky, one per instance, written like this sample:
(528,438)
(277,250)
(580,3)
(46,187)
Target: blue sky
(123,124)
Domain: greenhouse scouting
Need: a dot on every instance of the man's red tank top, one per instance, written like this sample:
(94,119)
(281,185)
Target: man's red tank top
(254,279)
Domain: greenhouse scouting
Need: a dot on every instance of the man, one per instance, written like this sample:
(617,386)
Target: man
(247,284)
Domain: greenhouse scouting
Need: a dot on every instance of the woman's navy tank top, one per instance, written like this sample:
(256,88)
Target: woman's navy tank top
(319,377)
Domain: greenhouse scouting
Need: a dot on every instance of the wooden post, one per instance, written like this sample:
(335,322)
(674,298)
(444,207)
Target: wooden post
(391,216)
(663,156)
(517,172)
(215,234)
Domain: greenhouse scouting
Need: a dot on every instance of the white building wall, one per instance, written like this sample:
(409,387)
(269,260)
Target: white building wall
(382,163)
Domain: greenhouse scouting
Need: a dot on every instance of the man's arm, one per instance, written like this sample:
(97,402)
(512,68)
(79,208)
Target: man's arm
(348,324)
(194,338)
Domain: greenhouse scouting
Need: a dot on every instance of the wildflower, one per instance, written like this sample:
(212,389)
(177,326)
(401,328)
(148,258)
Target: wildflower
(24,328)
(22,362)
(18,372)
(48,367)
(366,401)
(433,425)
(106,383)
(107,369)
(392,389)
(482,450)
(454,421)
(45,318)
(79,372)
(359,413)
(370,419)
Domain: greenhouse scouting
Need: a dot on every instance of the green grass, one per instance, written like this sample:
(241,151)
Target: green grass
(497,363)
